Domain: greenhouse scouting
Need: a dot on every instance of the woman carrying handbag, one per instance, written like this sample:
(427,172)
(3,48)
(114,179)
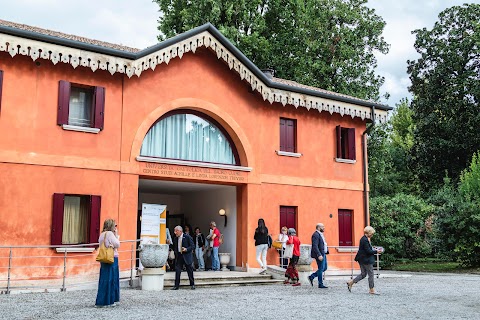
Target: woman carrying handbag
(108,293)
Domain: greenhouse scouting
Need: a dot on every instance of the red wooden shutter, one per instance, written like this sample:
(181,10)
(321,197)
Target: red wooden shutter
(57,218)
(99,105)
(283,135)
(290,126)
(1,86)
(291,221)
(95,206)
(351,144)
(288,217)
(63,102)
(283,217)
(345,227)
(338,131)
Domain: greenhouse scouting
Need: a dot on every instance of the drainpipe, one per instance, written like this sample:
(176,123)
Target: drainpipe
(365,174)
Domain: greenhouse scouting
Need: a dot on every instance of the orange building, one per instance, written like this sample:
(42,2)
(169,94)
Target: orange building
(91,130)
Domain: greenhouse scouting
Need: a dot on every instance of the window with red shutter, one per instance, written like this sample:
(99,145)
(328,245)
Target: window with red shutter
(288,135)
(345,143)
(76,219)
(345,231)
(80,106)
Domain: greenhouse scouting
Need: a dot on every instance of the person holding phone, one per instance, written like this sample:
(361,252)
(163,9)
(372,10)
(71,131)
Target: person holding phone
(108,293)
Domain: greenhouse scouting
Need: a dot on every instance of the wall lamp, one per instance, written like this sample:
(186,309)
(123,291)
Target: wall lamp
(224,214)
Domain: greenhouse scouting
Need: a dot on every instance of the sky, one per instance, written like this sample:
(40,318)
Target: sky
(134,24)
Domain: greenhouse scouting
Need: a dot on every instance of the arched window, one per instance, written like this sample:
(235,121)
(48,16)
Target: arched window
(189,136)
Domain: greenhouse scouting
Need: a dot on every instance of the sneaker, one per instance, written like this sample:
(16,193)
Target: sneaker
(286,282)
(296,284)
(263,271)
(323,287)
(311,281)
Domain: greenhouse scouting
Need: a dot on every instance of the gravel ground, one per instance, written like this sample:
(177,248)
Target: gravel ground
(419,296)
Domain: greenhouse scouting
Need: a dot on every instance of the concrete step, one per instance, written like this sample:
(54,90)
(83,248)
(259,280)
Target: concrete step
(225,283)
(206,279)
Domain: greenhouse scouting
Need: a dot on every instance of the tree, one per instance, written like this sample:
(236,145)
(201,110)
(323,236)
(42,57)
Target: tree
(328,44)
(446,89)
(389,148)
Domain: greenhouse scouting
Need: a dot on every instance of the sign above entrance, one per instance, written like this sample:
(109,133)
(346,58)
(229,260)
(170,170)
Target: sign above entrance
(194,173)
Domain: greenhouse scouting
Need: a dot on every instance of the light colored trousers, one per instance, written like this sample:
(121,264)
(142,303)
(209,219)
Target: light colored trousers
(199,254)
(262,253)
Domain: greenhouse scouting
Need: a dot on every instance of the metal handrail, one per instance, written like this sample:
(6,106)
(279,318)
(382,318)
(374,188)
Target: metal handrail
(70,261)
(349,252)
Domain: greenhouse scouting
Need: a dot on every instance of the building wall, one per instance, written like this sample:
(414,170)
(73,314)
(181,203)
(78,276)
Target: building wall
(34,149)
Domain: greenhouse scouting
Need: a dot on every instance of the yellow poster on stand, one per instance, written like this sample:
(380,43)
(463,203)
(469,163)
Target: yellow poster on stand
(153,223)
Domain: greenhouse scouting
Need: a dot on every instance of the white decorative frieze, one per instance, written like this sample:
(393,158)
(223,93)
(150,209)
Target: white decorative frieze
(75,57)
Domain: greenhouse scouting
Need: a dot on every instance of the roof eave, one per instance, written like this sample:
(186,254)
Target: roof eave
(205,27)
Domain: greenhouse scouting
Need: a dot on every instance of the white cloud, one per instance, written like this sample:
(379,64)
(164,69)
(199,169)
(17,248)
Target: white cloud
(402,17)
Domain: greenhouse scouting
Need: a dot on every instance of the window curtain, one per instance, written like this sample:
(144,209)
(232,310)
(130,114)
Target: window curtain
(80,109)
(75,220)
(187,137)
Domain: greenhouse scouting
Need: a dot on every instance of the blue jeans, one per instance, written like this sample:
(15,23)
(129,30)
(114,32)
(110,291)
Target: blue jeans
(199,254)
(322,266)
(215,260)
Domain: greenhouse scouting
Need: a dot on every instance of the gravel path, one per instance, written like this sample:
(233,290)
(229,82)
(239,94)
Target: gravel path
(419,296)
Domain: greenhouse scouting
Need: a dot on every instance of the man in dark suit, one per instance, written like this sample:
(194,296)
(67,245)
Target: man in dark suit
(318,253)
(183,247)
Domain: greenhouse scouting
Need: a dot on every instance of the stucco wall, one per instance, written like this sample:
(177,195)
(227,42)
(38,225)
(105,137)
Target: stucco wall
(34,150)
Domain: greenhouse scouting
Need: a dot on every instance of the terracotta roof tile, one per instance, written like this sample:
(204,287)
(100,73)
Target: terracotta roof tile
(299,85)
(67,36)
(135,50)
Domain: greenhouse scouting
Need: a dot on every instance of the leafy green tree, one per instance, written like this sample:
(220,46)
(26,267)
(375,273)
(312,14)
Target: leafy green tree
(388,154)
(328,43)
(446,88)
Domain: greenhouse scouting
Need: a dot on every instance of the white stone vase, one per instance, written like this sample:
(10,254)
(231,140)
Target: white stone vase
(153,255)
(224,260)
(305,258)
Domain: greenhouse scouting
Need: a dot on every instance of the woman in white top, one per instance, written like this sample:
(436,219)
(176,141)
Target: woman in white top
(283,238)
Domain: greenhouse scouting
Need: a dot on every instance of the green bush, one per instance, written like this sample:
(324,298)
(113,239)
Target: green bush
(403,225)
(467,221)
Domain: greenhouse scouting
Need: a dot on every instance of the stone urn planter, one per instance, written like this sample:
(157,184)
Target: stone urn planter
(153,255)
(305,261)
(224,260)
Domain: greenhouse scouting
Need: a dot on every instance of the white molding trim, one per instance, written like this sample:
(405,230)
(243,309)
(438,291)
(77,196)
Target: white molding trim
(193,164)
(347,249)
(74,249)
(345,160)
(75,57)
(80,129)
(288,154)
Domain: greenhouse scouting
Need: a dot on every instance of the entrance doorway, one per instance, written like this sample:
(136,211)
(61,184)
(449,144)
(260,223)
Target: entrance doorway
(195,205)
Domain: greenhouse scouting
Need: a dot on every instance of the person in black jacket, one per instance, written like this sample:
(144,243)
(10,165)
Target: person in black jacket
(183,248)
(199,241)
(261,245)
(365,258)
(318,252)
